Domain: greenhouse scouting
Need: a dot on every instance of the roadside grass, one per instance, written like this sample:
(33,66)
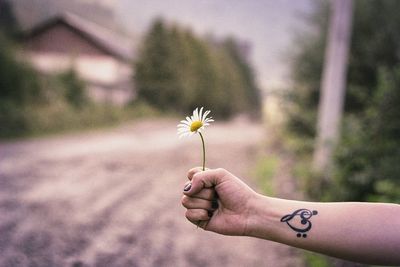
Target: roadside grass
(265,170)
(312,259)
(35,121)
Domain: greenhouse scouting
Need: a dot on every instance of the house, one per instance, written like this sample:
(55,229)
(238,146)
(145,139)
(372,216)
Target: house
(100,57)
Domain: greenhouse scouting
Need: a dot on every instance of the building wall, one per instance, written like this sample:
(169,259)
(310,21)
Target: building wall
(108,80)
(59,48)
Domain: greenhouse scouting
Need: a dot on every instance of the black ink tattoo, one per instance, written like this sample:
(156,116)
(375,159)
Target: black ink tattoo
(304,216)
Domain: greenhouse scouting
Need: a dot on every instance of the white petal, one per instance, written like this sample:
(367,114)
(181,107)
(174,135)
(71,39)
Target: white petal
(181,135)
(195,115)
(198,114)
(201,114)
(181,132)
(184,128)
(185,122)
(205,114)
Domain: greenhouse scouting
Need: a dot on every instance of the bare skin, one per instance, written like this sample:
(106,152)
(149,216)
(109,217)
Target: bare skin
(362,232)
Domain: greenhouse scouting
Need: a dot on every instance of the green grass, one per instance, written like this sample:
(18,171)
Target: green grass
(33,121)
(312,259)
(265,171)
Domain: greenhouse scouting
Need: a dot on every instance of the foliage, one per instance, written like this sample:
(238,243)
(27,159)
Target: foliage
(8,22)
(18,82)
(19,86)
(366,159)
(316,260)
(60,117)
(306,73)
(74,89)
(375,43)
(265,171)
(177,71)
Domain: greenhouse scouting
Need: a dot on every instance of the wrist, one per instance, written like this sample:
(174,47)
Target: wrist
(263,218)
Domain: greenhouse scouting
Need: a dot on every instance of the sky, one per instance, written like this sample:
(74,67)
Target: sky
(269,26)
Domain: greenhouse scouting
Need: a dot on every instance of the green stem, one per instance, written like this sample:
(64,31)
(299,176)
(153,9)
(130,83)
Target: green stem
(204,151)
(204,162)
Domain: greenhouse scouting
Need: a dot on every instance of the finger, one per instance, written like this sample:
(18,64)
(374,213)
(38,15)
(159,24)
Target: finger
(187,186)
(206,194)
(196,203)
(206,179)
(195,215)
(193,171)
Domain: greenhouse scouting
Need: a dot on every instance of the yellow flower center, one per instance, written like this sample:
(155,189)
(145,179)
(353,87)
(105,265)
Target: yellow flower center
(195,126)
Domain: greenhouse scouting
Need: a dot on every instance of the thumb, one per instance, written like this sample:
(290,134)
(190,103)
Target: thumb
(206,179)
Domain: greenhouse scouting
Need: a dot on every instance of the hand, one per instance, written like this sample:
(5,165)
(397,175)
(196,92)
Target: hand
(234,198)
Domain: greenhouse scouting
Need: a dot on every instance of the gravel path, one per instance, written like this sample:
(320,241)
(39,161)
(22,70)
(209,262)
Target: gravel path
(112,198)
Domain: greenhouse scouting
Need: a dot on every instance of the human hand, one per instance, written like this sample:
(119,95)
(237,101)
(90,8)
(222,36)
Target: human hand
(232,214)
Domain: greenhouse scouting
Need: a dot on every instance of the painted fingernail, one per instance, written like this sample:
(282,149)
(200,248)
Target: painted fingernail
(187,187)
(210,213)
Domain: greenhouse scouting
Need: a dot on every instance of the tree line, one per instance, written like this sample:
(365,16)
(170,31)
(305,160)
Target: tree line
(178,71)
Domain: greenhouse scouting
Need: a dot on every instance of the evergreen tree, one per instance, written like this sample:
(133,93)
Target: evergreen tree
(8,22)
(249,87)
(155,77)
(19,83)
(178,71)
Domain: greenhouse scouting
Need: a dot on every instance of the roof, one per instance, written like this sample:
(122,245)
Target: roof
(104,39)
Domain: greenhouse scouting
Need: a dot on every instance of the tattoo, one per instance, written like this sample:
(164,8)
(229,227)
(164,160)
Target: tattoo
(304,217)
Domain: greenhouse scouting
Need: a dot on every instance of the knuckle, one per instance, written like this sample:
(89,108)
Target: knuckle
(222,171)
(195,178)
(186,201)
(195,175)
(189,215)
(193,171)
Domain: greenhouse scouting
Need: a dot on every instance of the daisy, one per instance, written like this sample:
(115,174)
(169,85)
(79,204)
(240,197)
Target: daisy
(195,124)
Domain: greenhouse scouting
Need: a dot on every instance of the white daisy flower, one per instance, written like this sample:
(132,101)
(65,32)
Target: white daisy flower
(194,124)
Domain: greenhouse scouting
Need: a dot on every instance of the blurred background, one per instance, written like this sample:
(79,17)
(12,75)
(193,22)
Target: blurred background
(305,95)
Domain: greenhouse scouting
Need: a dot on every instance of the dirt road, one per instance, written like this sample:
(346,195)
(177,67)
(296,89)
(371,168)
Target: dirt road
(112,198)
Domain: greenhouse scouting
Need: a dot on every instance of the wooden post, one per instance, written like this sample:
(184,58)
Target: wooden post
(333,84)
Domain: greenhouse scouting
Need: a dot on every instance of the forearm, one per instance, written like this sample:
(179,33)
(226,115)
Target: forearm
(363,232)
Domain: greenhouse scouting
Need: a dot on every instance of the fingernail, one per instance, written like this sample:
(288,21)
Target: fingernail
(210,213)
(187,187)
